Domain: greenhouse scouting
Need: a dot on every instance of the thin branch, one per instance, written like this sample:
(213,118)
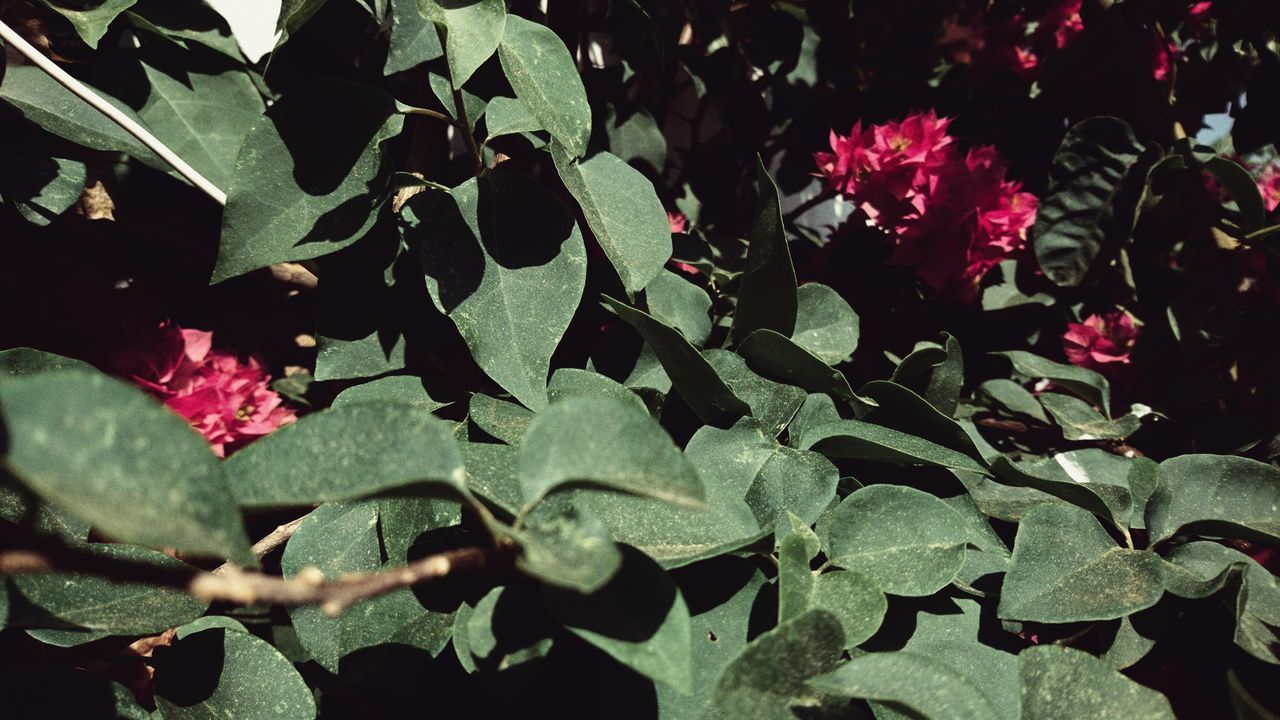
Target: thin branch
(83,92)
(464,127)
(25,552)
(410,110)
(269,542)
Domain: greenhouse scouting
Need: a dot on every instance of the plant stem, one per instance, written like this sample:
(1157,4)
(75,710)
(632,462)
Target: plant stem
(464,127)
(83,92)
(410,110)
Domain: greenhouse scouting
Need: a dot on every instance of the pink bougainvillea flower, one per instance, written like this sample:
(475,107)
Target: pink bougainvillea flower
(1163,54)
(1102,342)
(227,401)
(952,216)
(1062,23)
(1269,185)
(678,222)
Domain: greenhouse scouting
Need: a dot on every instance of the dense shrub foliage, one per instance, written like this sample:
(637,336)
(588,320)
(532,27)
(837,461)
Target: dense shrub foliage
(640,358)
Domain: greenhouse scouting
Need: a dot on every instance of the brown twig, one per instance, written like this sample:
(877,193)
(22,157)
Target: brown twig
(25,552)
(269,542)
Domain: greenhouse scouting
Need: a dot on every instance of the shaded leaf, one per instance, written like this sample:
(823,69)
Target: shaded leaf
(868,441)
(472,32)
(775,356)
(773,404)
(1065,476)
(225,673)
(19,361)
(679,303)
(767,298)
(825,324)
(413,41)
(42,188)
(89,20)
(1059,682)
(503,420)
(1084,382)
(1243,189)
(769,677)
(405,389)
(1014,398)
(1215,494)
(1079,421)
(568,548)
(907,679)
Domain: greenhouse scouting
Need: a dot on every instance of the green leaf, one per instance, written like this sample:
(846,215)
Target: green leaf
(1128,646)
(1068,476)
(1096,182)
(20,507)
(309,177)
(413,39)
(566,547)
(1243,190)
(405,389)
(493,474)
(1083,382)
(825,324)
(621,208)
(639,618)
(691,374)
(1066,568)
(508,626)
(1200,569)
(571,382)
(906,679)
(84,602)
(202,117)
(503,420)
(1059,682)
(773,404)
(719,633)
(19,361)
(343,538)
(906,541)
(767,298)
(1215,494)
(42,100)
(545,78)
(772,478)
(769,677)
(348,452)
(508,116)
(472,32)
(509,277)
(112,455)
(774,355)
(852,598)
(867,441)
(900,409)
(89,20)
(42,188)
(473,104)
(947,379)
(817,409)
(293,15)
(1013,398)
(187,21)
(679,303)
(1079,421)
(636,139)
(225,673)
(605,442)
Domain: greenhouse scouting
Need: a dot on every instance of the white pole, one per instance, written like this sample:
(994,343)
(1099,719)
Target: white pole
(84,93)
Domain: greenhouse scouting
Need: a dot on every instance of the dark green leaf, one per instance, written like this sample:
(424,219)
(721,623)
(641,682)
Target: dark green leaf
(414,40)
(544,76)
(772,478)
(1128,647)
(1066,568)
(768,297)
(225,673)
(1059,682)
(605,442)
(472,32)
(71,601)
(509,625)
(679,303)
(503,420)
(293,14)
(919,682)
(348,452)
(405,389)
(906,541)
(825,324)
(775,356)
(621,208)
(1014,398)
(1079,421)
(202,117)
(1097,179)
(691,374)
(115,457)
(571,382)
(90,21)
(1200,569)
(473,104)
(42,188)
(867,441)
(943,391)
(769,677)
(900,409)
(817,409)
(1083,382)
(639,618)
(308,178)
(636,139)
(493,474)
(773,404)
(509,277)
(1215,494)
(1243,189)
(1083,478)
(508,116)
(29,361)
(566,547)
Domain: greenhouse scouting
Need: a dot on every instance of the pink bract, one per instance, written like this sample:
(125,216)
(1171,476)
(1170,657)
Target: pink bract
(678,222)
(1101,342)
(227,401)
